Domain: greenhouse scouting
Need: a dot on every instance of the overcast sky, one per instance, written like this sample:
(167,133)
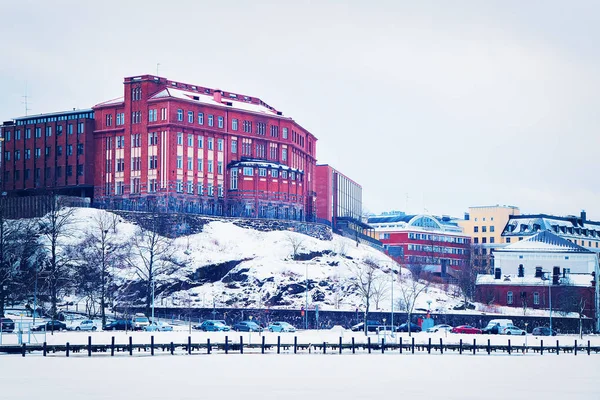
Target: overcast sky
(454,103)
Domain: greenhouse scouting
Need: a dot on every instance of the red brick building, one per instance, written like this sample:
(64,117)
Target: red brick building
(435,244)
(337,196)
(49,152)
(172,146)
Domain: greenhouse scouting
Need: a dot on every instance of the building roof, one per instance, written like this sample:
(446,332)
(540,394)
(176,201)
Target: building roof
(250,162)
(209,100)
(544,241)
(523,225)
(529,280)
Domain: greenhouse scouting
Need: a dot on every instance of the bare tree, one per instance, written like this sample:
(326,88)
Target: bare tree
(295,241)
(151,255)
(381,290)
(412,285)
(466,278)
(363,279)
(55,227)
(98,254)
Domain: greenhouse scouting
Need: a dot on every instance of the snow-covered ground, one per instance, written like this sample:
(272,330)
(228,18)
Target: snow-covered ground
(303,377)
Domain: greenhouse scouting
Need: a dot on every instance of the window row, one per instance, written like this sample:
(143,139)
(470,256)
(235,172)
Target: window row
(47,132)
(69,117)
(436,238)
(47,152)
(484,240)
(483,229)
(436,249)
(58,173)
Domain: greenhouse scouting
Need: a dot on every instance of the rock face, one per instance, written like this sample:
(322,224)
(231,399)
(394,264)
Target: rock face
(176,225)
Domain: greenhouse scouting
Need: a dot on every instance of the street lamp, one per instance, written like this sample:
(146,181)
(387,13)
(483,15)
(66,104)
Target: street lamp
(306,308)
(392,313)
(549,279)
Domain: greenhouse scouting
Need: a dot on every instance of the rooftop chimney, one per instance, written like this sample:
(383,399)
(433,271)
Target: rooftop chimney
(521,271)
(497,273)
(217,95)
(538,272)
(583,215)
(555,275)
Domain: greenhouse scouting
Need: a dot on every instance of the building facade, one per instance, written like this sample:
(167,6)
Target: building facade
(337,196)
(49,152)
(177,147)
(531,270)
(484,224)
(437,244)
(575,229)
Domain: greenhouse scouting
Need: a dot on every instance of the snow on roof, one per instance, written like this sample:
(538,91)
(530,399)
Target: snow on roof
(117,100)
(209,100)
(528,224)
(264,164)
(545,241)
(570,279)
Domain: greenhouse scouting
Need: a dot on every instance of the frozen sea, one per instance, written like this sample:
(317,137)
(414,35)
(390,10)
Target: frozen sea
(302,376)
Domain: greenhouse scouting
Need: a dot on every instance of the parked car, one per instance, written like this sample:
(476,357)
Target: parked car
(84,325)
(7,325)
(371,326)
(119,325)
(281,327)
(50,326)
(440,328)
(543,331)
(495,326)
(140,321)
(247,326)
(512,330)
(466,329)
(413,328)
(159,326)
(213,325)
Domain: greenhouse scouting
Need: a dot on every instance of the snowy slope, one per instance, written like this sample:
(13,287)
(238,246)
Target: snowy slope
(229,266)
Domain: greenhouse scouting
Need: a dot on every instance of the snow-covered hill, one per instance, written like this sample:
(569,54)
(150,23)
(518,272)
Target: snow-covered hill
(229,266)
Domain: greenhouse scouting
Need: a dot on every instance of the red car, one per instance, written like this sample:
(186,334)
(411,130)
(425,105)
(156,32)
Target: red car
(466,329)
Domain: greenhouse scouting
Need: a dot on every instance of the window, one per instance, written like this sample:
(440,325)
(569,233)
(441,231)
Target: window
(191,117)
(190,163)
(234,124)
(509,297)
(179,162)
(220,190)
(220,167)
(79,170)
(27,133)
(210,166)
(163,117)
(261,128)
(220,121)
(152,162)
(152,115)
(38,152)
(211,189)
(475,229)
(283,154)
(262,172)
(18,153)
(507,240)
(17,134)
(247,126)
(475,240)
(180,138)
(200,142)
(152,139)
(120,165)
(120,119)
(190,187)
(274,173)
(284,133)
(152,185)
(48,131)
(58,151)
(180,115)
(200,165)
(211,120)
(536,298)
(492,228)
(200,118)
(136,163)
(120,142)
(200,189)
(274,131)
(234,146)
(179,186)
(80,126)
(483,240)
(119,188)
(38,132)
(210,143)
(7,155)
(484,229)
(220,144)
(248,171)
(136,140)
(79,149)
(7,136)
(234,179)
(190,140)
(492,239)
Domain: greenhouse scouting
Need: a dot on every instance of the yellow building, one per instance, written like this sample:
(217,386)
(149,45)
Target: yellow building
(484,224)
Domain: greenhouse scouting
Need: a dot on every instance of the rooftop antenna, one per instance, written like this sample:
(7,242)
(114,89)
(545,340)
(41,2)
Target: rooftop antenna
(25,100)
(157,64)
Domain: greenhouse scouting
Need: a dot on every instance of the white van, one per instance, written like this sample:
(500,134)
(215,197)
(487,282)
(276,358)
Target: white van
(140,321)
(495,326)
